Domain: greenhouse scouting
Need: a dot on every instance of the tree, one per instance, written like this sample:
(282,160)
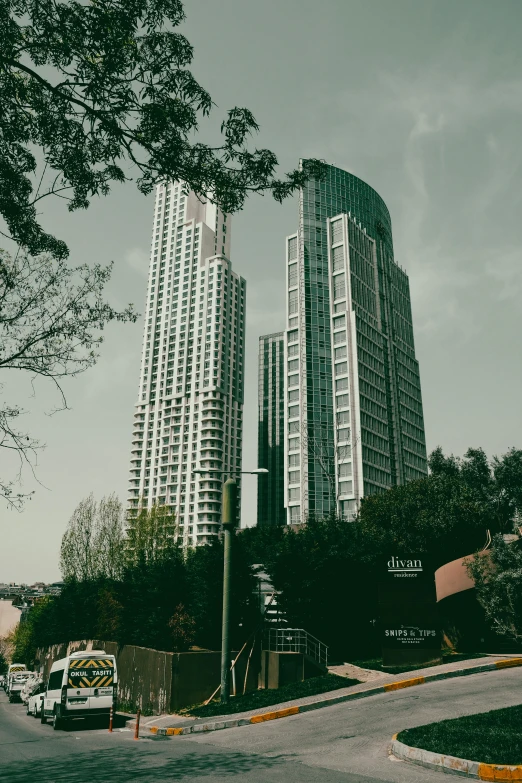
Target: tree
(496,484)
(51,317)
(93,546)
(3,664)
(204,574)
(498,579)
(99,85)
(183,629)
(439,516)
(151,536)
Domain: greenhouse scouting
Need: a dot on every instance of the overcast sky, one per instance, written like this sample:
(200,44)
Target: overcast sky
(422,99)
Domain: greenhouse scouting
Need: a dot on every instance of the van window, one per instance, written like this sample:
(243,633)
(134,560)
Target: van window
(55,680)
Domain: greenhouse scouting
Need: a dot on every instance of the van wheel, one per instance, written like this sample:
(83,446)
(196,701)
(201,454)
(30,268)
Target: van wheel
(58,720)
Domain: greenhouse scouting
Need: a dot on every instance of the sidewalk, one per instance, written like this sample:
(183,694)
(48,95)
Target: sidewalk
(172,725)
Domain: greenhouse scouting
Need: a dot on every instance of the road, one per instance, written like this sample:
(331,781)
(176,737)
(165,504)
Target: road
(347,743)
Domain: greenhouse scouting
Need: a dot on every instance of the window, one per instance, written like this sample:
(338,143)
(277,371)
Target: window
(293,411)
(293,350)
(345,487)
(292,302)
(340,353)
(292,248)
(295,514)
(293,365)
(292,275)
(341,368)
(294,460)
(55,680)
(348,508)
(339,337)
(345,469)
(344,435)
(293,396)
(339,320)
(293,380)
(337,231)
(293,426)
(338,258)
(294,493)
(341,384)
(293,336)
(339,289)
(343,401)
(293,444)
(294,476)
(343,417)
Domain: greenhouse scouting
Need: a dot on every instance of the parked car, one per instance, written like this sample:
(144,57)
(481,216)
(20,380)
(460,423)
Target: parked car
(2,681)
(28,687)
(79,686)
(18,680)
(36,700)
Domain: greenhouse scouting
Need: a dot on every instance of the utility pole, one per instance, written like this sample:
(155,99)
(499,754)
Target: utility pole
(229,519)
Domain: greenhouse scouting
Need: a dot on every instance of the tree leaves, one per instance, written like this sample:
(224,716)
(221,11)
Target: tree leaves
(50,319)
(100,85)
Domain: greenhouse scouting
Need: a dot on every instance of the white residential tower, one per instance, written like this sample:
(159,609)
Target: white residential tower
(190,398)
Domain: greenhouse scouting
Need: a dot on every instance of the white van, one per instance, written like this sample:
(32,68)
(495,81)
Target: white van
(79,686)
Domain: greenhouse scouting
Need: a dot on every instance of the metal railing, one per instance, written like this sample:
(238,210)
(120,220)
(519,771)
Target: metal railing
(296,640)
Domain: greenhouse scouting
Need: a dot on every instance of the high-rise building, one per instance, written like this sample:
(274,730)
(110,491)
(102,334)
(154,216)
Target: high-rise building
(354,421)
(190,397)
(271,430)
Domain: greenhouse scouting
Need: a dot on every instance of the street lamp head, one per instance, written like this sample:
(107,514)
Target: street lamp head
(260,471)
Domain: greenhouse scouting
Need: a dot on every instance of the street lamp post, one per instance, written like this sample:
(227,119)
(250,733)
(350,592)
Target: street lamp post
(228,519)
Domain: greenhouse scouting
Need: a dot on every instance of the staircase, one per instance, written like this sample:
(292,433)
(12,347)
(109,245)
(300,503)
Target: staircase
(297,640)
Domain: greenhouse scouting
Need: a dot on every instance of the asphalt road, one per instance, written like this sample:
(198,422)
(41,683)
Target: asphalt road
(347,743)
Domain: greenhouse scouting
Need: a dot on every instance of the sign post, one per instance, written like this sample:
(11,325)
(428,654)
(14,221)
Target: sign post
(410,631)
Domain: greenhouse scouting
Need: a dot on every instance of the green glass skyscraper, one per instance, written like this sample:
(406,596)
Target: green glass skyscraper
(271,430)
(353,408)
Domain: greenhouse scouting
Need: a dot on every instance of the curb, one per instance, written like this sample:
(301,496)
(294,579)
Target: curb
(455,766)
(329,702)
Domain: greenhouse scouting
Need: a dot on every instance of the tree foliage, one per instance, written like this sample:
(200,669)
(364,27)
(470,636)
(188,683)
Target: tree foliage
(327,571)
(133,584)
(93,546)
(496,484)
(51,319)
(98,85)
(498,579)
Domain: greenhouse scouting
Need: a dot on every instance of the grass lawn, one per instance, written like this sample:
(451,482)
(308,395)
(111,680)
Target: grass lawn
(447,657)
(267,698)
(491,737)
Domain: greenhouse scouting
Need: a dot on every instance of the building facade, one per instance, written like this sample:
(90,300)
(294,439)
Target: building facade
(353,408)
(190,397)
(271,430)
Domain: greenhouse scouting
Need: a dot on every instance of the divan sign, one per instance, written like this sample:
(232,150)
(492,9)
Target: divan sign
(404,568)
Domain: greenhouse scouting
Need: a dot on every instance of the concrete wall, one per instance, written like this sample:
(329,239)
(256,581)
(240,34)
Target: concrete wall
(157,681)
(278,669)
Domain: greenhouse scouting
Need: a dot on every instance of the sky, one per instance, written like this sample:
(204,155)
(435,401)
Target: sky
(422,99)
